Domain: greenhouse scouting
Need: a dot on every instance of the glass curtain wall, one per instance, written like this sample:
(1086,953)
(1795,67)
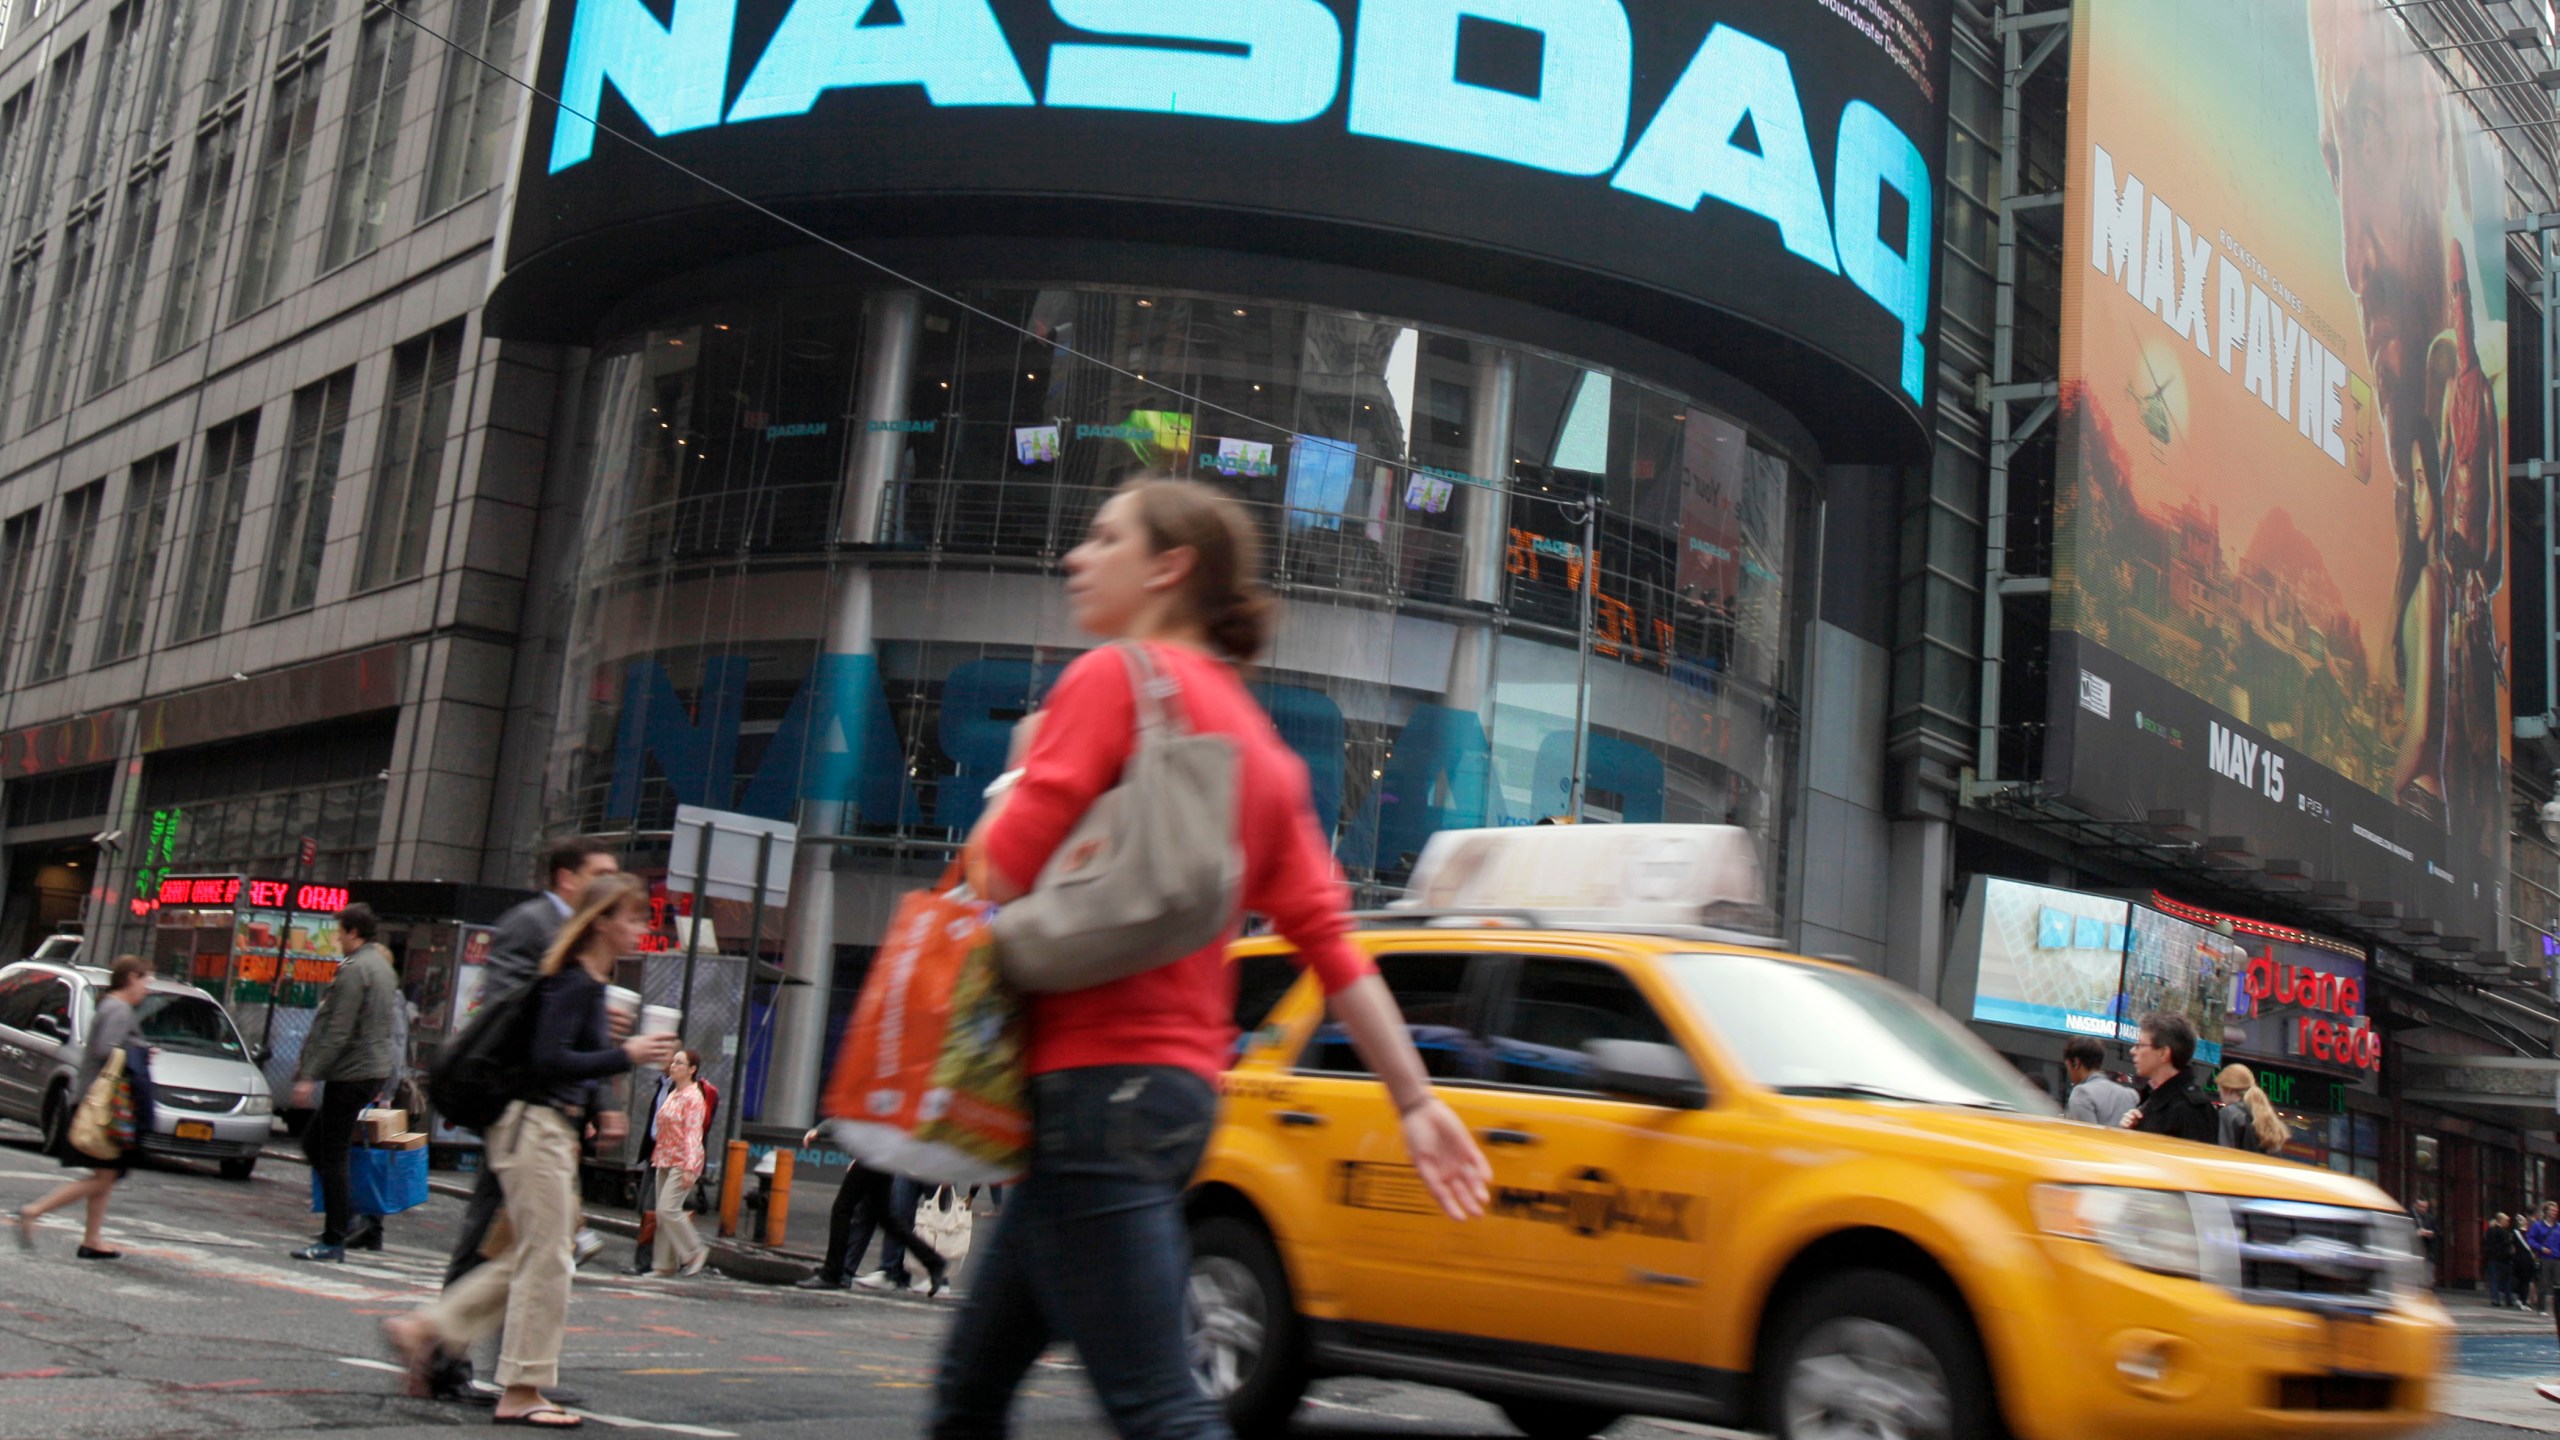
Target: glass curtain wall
(716,448)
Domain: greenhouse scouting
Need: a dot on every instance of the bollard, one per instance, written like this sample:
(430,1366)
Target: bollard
(733,1177)
(777,1205)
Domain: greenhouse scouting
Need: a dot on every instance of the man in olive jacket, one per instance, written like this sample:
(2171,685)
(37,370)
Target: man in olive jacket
(351,1052)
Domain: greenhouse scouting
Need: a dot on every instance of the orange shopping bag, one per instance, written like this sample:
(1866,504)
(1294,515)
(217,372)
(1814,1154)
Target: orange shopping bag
(929,1081)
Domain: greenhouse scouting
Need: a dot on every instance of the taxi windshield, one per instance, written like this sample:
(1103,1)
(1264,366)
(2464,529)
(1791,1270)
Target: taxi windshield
(1817,1030)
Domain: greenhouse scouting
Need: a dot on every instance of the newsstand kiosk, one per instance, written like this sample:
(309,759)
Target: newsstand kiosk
(230,935)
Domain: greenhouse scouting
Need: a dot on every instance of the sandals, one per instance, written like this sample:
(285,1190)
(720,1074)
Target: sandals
(535,1418)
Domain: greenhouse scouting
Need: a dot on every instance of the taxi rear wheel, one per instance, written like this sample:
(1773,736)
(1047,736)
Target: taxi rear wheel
(1878,1356)
(1246,1347)
(1556,1419)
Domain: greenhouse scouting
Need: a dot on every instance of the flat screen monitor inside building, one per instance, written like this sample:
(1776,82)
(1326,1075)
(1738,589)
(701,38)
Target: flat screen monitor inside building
(2051,959)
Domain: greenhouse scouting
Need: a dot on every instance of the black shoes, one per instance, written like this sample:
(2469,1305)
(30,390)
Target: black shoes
(321,1252)
(817,1282)
(88,1254)
(365,1234)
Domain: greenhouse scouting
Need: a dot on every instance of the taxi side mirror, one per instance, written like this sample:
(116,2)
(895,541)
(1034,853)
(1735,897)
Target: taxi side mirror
(1646,1070)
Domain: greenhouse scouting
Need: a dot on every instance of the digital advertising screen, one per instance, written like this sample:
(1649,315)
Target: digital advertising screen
(2050,959)
(1750,183)
(2279,591)
(2175,967)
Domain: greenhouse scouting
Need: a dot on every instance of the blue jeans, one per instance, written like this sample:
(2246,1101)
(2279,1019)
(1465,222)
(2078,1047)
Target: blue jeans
(1091,1248)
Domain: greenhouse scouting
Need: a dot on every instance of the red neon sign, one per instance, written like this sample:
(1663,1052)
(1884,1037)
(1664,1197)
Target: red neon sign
(261,894)
(200,890)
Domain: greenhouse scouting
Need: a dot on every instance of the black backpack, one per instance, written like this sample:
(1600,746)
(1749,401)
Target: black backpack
(489,1065)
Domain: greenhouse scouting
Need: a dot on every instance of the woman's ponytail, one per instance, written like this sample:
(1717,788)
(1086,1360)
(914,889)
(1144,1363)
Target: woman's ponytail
(1227,597)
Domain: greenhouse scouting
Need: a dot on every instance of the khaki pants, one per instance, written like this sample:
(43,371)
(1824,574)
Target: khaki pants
(678,1244)
(533,1149)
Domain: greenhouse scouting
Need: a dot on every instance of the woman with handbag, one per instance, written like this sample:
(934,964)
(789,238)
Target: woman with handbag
(678,1159)
(109,1030)
(1091,1246)
(533,1149)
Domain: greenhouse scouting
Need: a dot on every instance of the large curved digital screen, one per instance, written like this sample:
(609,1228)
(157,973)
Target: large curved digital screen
(1753,184)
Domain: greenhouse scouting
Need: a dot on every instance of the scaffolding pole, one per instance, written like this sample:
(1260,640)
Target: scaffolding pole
(2000,391)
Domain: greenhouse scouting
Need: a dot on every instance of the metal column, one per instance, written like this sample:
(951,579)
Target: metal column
(2001,389)
(809,950)
(1484,528)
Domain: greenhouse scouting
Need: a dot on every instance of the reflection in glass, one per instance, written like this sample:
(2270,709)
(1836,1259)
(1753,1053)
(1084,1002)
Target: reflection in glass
(717,445)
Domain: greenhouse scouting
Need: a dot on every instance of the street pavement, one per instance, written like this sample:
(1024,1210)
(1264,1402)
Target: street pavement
(206,1328)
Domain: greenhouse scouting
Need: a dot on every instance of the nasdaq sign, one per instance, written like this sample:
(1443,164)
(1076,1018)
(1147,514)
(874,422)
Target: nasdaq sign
(1772,162)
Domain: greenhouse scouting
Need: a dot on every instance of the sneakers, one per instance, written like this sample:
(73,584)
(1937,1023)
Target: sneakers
(695,1268)
(587,1246)
(878,1280)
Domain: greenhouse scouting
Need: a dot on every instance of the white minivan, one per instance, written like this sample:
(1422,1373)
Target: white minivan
(211,1102)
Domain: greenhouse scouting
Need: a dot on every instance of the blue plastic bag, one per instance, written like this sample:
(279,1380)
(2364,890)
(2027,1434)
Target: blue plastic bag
(381,1182)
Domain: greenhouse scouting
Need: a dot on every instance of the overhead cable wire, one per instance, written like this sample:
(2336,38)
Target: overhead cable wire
(1198,402)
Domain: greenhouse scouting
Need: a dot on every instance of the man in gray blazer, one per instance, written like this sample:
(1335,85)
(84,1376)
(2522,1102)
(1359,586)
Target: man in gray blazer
(350,1053)
(523,935)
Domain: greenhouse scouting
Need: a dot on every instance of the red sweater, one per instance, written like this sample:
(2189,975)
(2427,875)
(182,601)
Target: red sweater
(1184,1013)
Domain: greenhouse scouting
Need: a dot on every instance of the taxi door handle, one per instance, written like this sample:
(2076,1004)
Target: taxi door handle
(1509,1137)
(1298,1117)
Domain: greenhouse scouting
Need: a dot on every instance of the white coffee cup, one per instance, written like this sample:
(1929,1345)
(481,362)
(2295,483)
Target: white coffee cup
(660,1019)
(624,1003)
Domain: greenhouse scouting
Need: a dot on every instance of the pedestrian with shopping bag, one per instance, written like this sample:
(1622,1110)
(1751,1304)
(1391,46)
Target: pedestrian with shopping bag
(349,1057)
(1149,750)
(105,1136)
(533,1146)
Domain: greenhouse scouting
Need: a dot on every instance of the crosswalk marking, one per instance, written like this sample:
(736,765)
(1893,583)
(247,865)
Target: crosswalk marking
(618,1422)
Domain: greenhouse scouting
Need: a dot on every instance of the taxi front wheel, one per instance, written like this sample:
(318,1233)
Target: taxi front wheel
(1873,1354)
(1246,1346)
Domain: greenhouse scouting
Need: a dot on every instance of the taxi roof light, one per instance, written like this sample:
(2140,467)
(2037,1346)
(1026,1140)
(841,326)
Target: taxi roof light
(1596,875)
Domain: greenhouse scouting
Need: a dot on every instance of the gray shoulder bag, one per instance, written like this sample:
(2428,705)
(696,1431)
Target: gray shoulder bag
(1151,873)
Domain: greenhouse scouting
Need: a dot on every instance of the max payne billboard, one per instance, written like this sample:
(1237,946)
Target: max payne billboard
(2279,593)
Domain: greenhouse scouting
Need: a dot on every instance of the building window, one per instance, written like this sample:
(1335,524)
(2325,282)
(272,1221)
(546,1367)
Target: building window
(277,197)
(117,68)
(199,236)
(245,805)
(17,144)
(157,119)
(55,799)
(17,309)
(17,569)
(471,116)
(71,279)
(412,459)
(73,536)
(304,19)
(206,586)
(235,51)
(137,560)
(304,498)
(372,134)
(127,270)
(35,199)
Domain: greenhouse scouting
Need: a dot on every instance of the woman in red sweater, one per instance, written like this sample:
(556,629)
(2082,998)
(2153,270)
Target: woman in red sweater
(1091,1247)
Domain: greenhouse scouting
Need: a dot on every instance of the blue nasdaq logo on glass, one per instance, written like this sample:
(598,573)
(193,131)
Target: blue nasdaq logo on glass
(1732,128)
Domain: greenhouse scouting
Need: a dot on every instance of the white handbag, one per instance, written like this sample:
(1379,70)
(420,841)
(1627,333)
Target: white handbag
(943,1221)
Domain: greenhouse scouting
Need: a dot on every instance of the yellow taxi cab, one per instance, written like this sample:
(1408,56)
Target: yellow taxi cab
(1752,1188)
